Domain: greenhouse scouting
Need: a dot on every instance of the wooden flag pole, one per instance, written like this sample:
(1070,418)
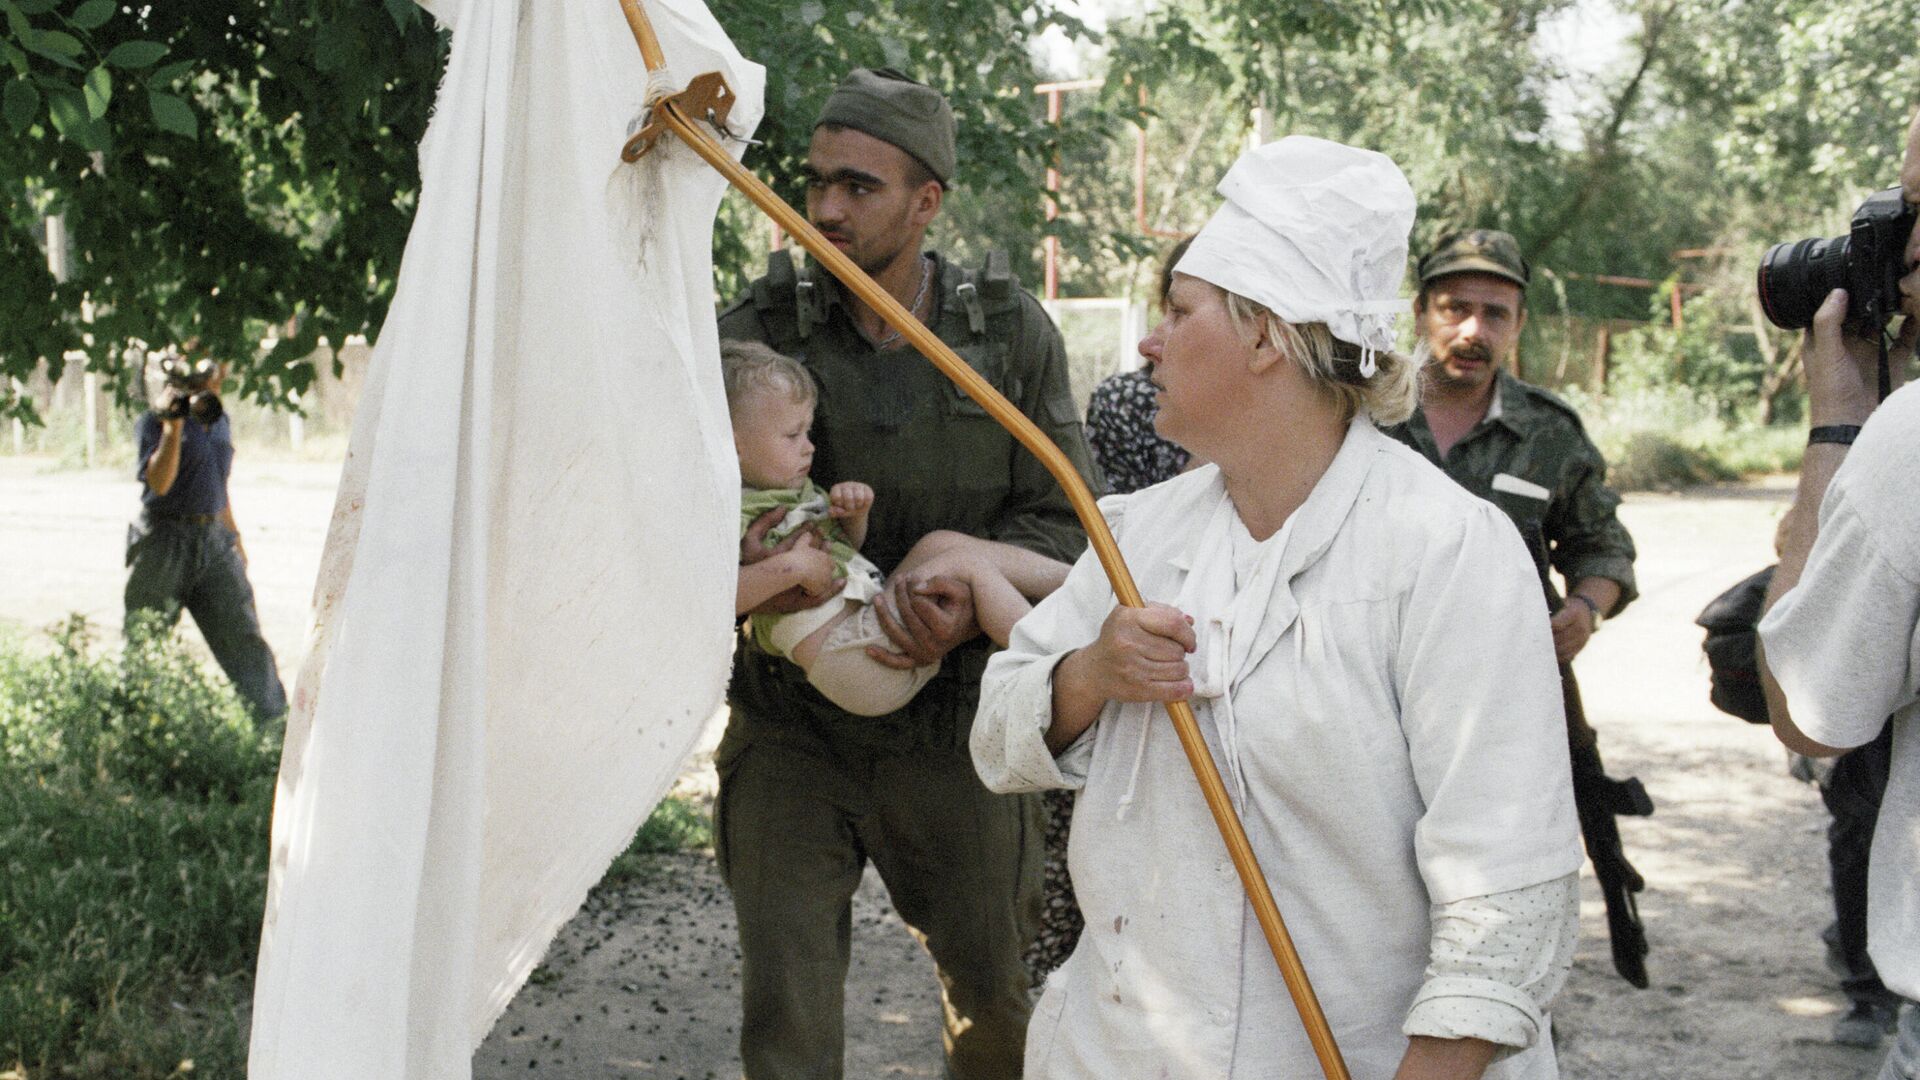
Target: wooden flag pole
(668,115)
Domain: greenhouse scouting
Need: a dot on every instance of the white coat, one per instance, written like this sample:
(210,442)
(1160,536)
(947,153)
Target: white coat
(1381,696)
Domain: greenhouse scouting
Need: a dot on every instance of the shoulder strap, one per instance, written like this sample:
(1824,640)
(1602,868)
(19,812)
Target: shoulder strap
(997,287)
(782,299)
(989,292)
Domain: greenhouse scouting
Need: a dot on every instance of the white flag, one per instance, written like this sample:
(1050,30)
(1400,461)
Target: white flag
(524,611)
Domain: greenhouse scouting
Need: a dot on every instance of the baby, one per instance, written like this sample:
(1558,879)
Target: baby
(771,399)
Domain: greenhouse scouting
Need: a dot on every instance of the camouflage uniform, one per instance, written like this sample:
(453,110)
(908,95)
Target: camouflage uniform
(809,793)
(1533,436)
(1531,457)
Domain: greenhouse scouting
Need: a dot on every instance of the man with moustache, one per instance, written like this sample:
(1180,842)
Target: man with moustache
(809,793)
(1524,450)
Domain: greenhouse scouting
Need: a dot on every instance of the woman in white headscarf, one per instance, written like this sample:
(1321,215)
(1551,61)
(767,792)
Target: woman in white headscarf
(1366,650)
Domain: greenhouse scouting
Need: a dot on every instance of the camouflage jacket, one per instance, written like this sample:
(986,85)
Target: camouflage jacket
(1531,457)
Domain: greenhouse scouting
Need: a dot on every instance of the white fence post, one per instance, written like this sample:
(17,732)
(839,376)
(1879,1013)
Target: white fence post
(90,392)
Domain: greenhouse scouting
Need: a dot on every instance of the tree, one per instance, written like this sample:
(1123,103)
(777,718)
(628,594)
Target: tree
(229,166)
(222,166)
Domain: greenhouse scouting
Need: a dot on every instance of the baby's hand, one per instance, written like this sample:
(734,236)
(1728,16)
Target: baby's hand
(813,571)
(849,498)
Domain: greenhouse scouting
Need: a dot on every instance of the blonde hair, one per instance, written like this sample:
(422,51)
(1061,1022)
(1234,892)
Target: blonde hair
(1332,365)
(748,366)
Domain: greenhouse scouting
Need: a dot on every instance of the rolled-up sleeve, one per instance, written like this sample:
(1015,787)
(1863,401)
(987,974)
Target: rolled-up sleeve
(1009,732)
(1496,963)
(1008,741)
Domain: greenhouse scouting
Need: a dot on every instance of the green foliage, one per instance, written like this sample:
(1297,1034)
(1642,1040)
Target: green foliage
(978,54)
(1800,104)
(675,825)
(1658,433)
(1698,356)
(1414,80)
(153,722)
(222,166)
(234,165)
(134,796)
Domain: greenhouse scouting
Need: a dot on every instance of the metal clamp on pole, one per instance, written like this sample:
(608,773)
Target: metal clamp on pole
(707,96)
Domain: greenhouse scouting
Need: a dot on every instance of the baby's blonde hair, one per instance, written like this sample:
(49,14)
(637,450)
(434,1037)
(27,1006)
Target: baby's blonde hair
(748,366)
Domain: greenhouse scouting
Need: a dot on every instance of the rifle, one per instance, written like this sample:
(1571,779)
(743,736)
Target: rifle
(1599,800)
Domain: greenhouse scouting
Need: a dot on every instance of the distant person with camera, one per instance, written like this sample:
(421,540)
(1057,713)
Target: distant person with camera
(1523,450)
(1840,641)
(185,550)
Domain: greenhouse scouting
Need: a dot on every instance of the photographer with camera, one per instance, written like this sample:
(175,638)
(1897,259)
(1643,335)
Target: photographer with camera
(1840,640)
(185,550)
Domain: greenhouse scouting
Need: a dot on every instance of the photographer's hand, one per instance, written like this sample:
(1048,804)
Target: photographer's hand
(175,405)
(163,465)
(1843,371)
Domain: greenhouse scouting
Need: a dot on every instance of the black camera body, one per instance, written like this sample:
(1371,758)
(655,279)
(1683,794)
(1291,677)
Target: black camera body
(189,382)
(1868,262)
(188,376)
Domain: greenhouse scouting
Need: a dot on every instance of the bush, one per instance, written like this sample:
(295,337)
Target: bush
(134,798)
(135,795)
(155,723)
(1657,432)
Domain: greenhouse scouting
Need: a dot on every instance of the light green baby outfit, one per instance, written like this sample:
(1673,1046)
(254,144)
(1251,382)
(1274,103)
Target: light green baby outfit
(778,634)
(842,671)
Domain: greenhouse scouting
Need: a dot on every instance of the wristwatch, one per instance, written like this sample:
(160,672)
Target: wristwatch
(1592,609)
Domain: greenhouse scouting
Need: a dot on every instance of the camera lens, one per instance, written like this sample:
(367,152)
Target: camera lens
(1795,279)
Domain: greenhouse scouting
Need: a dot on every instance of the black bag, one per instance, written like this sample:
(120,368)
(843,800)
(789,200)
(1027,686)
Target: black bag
(1730,620)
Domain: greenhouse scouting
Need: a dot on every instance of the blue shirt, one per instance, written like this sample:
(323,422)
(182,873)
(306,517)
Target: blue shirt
(206,460)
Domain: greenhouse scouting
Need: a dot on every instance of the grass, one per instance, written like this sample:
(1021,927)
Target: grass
(135,793)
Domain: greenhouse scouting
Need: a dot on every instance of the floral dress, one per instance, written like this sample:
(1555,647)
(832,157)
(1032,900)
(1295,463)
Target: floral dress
(1120,432)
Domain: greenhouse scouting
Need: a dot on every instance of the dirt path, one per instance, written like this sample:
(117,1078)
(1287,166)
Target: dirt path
(643,982)
(63,535)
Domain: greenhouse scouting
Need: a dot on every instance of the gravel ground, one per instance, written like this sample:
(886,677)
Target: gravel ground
(643,982)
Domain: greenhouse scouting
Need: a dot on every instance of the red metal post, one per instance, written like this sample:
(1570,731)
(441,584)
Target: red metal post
(1053,203)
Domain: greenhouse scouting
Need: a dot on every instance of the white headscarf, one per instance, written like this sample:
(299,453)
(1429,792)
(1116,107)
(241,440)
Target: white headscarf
(1316,232)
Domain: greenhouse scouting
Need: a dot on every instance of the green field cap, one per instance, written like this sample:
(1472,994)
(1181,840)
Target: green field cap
(887,105)
(1476,251)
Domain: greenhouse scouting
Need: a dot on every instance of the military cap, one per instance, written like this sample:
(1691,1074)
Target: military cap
(895,109)
(1476,251)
